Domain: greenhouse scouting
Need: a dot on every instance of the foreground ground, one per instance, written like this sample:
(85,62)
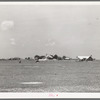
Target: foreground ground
(49,76)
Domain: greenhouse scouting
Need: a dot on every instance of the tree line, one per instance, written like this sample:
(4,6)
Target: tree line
(37,57)
(51,57)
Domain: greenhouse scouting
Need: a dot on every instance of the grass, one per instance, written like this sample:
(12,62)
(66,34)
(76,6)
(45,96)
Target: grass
(56,76)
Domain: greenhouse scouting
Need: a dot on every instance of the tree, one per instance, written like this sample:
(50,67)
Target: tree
(64,57)
(59,58)
(41,57)
(28,58)
(36,57)
(55,56)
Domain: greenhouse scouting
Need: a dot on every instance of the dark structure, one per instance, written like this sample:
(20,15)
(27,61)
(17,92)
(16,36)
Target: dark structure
(85,58)
(90,58)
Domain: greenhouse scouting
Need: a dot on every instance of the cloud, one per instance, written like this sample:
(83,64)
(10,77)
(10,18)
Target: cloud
(50,44)
(12,41)
(6,25)
(38,40)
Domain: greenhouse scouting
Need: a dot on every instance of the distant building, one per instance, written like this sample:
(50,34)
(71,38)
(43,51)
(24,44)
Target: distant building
(15,58)
(43,59)
(85,58)
(49,56)
(67,58)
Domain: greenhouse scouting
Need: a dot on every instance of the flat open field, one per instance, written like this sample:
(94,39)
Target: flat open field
(49,76)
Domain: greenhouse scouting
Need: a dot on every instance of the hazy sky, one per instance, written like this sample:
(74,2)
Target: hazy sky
(71,30)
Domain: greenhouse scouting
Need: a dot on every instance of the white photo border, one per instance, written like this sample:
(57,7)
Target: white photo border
(50,95)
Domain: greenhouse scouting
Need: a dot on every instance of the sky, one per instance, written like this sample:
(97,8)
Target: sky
(28,30)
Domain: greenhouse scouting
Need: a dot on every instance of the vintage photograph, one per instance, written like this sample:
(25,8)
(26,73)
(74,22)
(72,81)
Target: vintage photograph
(50,47)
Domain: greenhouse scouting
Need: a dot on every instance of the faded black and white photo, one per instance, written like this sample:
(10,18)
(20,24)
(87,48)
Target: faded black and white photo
(50,47)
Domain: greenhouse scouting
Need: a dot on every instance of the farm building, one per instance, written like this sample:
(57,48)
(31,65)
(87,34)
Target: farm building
(67,58)
(85,58)
(43,59)
(49,56)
